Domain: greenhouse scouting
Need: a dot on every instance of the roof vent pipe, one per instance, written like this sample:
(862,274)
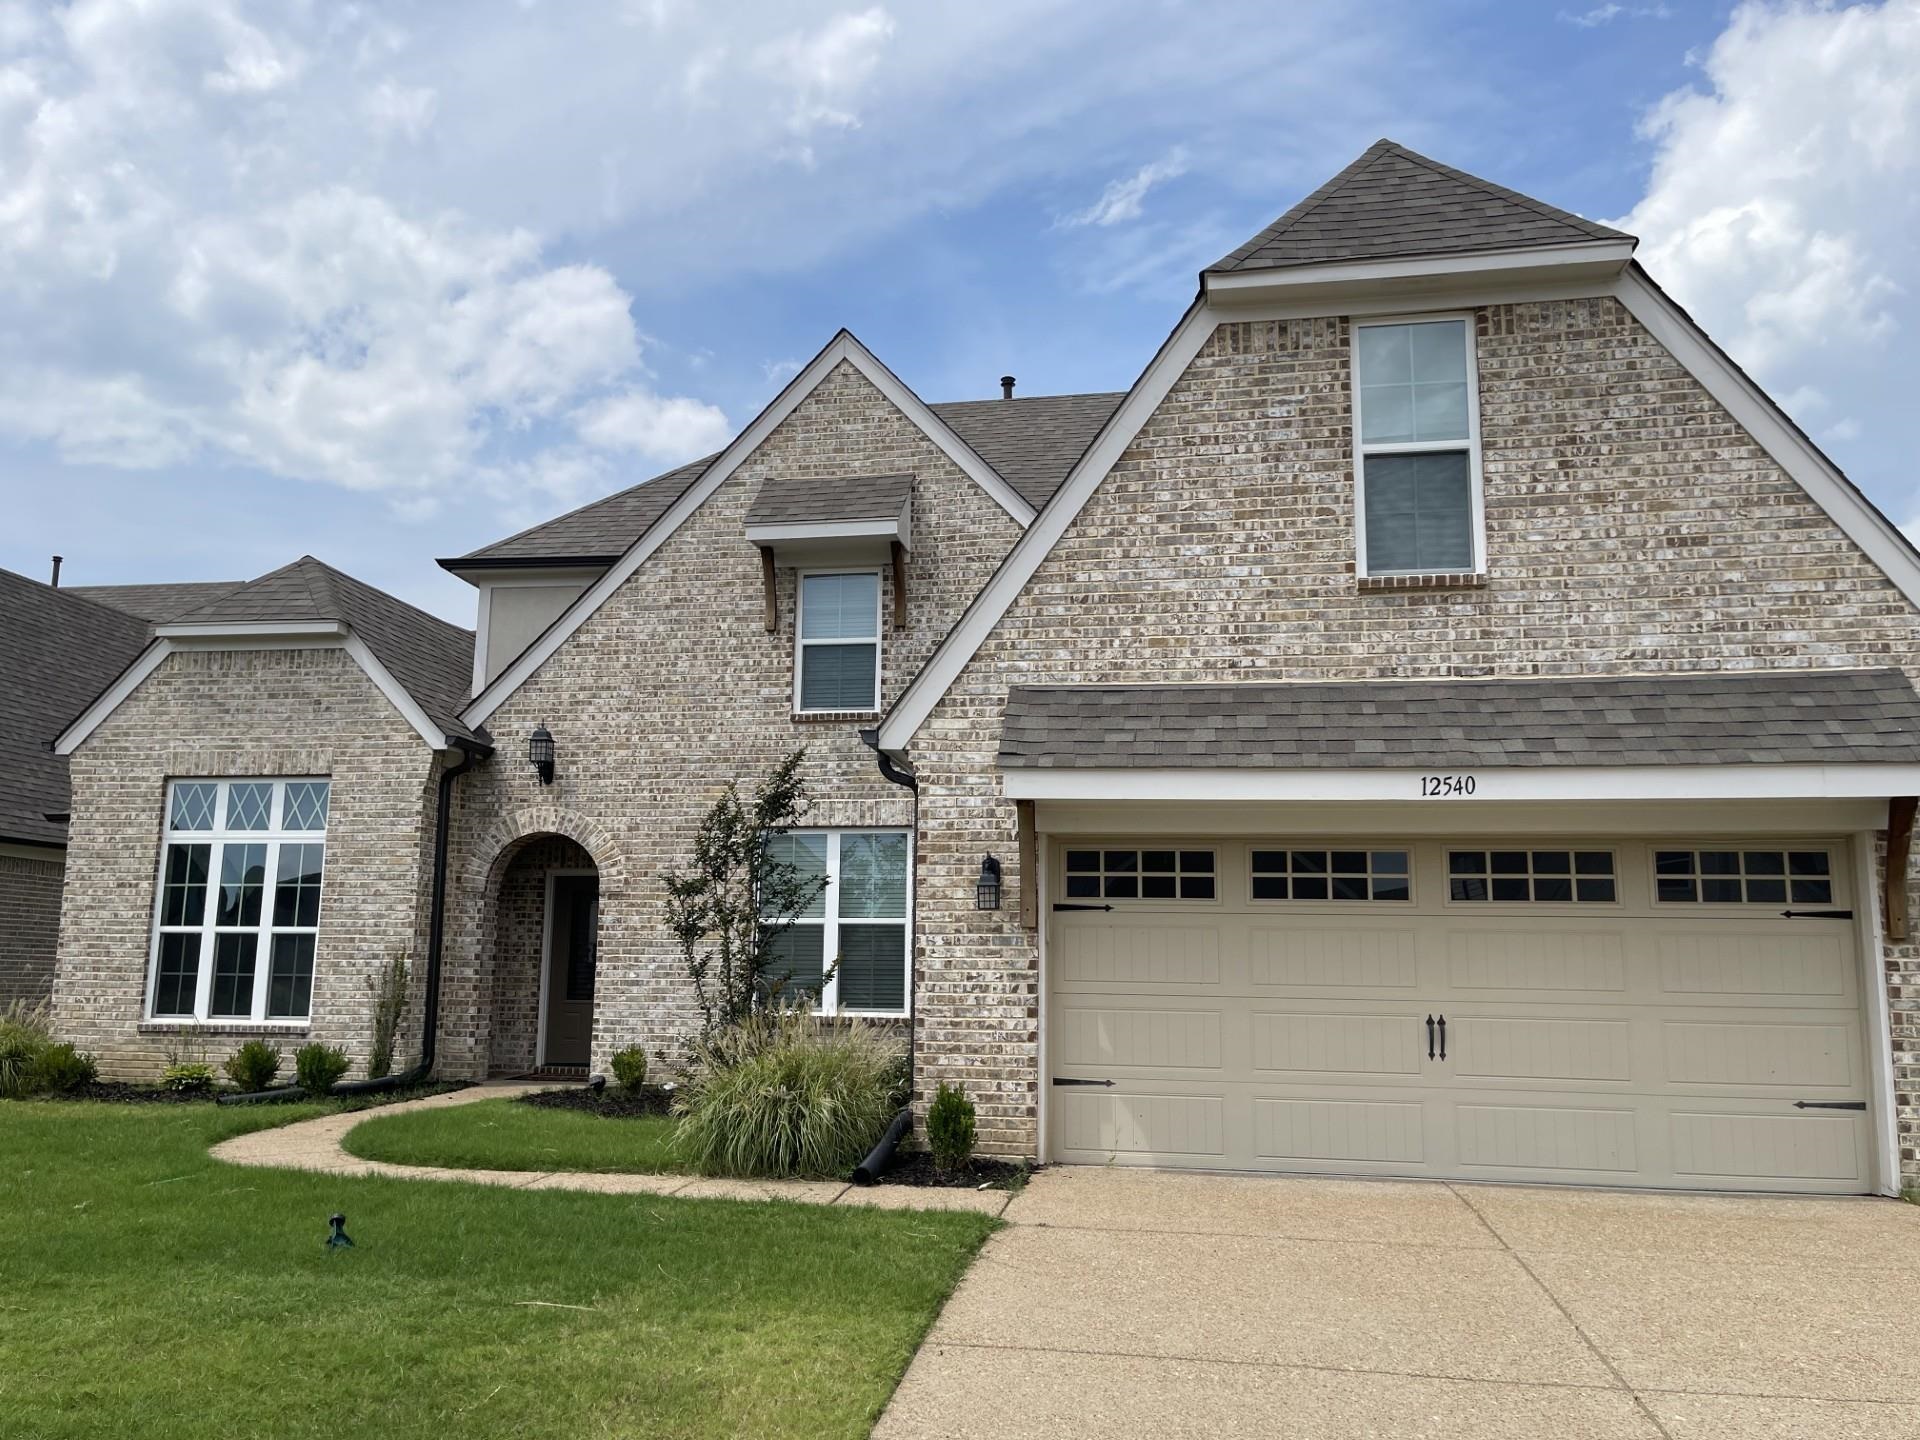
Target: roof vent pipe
(56,571)
(1006,387)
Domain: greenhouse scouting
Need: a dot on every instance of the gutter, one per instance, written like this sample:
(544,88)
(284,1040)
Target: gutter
(472,753)
(876,1163)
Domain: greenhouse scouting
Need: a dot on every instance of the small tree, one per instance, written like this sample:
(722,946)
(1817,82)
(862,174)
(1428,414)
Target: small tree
(738,896)
(388,987)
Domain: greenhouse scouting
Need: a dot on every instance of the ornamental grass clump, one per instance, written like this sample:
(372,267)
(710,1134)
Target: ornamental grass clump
(25,1032)
(782,1093)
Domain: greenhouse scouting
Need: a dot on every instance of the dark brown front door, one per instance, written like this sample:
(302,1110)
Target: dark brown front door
(571,955)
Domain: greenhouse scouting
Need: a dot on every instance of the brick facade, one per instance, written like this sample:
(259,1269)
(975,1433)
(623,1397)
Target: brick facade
(674,687)
(307,712)
(29,925)
(1632,527)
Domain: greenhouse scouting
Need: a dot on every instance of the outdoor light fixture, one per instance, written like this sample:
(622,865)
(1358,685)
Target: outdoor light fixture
(540,752)
(986,895)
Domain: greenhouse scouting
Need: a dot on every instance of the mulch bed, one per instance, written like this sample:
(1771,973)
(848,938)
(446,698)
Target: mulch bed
(916,1168)
(120,1092)
(612,1101)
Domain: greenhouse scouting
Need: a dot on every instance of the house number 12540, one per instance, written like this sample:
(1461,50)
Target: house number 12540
(1445,787)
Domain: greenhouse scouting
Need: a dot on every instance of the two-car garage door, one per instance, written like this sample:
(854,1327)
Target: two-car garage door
(1595,1012)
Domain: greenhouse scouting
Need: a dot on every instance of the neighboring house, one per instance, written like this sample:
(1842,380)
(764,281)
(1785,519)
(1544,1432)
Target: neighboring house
(58,650)
(1442,720)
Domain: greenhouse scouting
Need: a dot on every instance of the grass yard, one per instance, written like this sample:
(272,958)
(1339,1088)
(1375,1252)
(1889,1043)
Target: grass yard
(507,1135)
(146,1289)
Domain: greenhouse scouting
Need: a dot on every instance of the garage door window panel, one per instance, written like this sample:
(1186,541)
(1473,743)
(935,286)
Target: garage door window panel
(1332,875)
(1145,874)
(1743,877)
(1531,877)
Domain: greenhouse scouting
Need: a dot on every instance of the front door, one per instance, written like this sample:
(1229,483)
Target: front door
(574,922)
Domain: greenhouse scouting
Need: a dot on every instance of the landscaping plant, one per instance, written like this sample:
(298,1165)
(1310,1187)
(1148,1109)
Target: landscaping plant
(737,897)
(389,989)
(784,1093)
(24,1033)
(60,1068)
(630,1068)
(253,1065)
(187,1070)
(318,1067)
(950,1128)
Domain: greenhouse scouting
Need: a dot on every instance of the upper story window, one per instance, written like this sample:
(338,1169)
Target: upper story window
(237,916)
(837,659)
(1417,423)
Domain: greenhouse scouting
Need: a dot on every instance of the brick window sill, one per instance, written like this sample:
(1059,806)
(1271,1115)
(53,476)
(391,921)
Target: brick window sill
(1452,581)
(225,1027)
(836,717)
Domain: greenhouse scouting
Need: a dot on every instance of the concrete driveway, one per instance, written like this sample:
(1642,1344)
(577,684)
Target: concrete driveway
(1145,1303)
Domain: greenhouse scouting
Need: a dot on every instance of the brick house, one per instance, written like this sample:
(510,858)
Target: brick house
(1443,719)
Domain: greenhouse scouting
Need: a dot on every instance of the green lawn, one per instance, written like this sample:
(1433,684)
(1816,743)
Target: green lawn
(146,1289)
(507,1135)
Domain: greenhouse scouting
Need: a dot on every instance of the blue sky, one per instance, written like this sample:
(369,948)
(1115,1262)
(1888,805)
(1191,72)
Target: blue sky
(384,283)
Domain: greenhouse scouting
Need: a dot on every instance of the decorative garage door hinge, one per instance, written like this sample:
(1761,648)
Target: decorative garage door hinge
(1817,914)
(1063,1080)
(1829,1104)
(1061,905)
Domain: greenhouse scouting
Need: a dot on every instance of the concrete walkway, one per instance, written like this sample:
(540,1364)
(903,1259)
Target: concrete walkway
(1136,1303)
(315,1145)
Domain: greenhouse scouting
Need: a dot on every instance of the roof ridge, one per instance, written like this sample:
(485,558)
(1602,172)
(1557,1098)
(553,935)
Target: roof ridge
(1502,192)
(73,593)
(1023,399)
(1306,205)
(335,575)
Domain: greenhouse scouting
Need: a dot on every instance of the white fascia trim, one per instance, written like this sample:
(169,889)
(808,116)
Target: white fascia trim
(253,630)
(144,664)
(1595,252)
(977,623)
(1556,783)
(842,347)
(396,694)
(1760,417)
(827,530)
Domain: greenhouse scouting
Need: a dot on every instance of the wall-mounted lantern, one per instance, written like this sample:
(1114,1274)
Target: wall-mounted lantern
(540,752)
(986,895)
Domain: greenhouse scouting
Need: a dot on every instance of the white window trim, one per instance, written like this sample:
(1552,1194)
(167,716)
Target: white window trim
(829,921)
(1471,445)
(800,643)
(217,839)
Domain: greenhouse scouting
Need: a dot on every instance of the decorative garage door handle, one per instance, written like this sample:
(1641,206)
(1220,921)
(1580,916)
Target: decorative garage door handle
(1443,1037)
(1064,1080)
(1429,1037)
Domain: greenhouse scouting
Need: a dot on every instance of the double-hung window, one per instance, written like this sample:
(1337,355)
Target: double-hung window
(1417,428)
(847,952)
(837,659)
(238,912)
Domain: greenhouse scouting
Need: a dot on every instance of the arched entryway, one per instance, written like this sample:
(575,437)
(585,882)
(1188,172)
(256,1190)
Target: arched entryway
(546,958)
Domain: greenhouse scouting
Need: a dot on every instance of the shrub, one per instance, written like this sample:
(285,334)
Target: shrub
(782,1093)
(630,1068)
(59,1068)
(318,1067)
(389,989)
(24,1033)
(253,1065)
(950,1128)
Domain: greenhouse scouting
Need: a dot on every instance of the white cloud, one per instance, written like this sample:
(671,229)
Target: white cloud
(654,426)
(824,70)
(399,110)
(1123,199)
(1607,14)
(1783,201)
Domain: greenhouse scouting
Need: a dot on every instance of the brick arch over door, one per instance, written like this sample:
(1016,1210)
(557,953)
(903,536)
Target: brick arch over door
(468,984)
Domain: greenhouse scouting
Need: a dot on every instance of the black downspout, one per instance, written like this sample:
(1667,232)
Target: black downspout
(876,1163)
(472,753)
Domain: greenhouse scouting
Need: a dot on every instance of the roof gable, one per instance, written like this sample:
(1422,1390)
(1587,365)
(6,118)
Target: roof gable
(844,348)
(1393,203)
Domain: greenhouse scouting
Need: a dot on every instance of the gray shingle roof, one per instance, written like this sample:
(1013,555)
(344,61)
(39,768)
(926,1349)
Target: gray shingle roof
(1779,717)
(1392,202)
(431,659)
(58,651)
(1030,442)
(157,603)
(787,500)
